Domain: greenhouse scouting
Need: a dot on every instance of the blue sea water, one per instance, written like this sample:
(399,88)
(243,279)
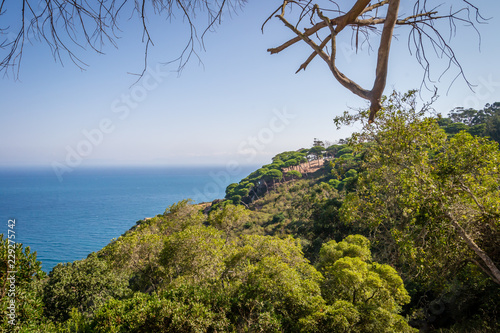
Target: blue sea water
(66,220)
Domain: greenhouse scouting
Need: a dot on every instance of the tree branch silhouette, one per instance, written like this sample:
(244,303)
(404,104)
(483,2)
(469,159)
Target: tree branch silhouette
(365,19)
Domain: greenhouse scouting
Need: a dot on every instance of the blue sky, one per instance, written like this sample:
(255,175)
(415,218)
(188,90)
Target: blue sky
(242,105)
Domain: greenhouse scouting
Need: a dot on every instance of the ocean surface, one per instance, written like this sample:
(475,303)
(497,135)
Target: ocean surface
(66,220)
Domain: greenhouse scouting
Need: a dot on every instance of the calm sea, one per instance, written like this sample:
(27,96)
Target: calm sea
(66,220)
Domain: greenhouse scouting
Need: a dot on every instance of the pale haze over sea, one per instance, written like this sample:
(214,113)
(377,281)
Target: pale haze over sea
(65,221)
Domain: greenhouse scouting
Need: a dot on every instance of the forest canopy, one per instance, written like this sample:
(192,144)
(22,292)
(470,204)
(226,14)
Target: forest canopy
(376,235)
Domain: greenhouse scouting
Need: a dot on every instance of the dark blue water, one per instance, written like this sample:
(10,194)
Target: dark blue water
(65,221)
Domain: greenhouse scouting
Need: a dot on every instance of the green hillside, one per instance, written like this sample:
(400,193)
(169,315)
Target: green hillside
(396,230)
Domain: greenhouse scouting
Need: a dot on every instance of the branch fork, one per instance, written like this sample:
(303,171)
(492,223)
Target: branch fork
(358,17)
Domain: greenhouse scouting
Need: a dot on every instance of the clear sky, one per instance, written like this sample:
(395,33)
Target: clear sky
(242,105)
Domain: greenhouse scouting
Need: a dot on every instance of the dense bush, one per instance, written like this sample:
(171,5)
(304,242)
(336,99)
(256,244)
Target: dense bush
(84,285)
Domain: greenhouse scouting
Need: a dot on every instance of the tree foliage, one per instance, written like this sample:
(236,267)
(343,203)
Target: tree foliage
(484,122)
(294,174)
(195,253)
(214,283)
(435,201)
(360,296)
(83,285)
(21,278)
(228,218)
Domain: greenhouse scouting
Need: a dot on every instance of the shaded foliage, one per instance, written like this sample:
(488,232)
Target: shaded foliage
(84,285)
(21,279)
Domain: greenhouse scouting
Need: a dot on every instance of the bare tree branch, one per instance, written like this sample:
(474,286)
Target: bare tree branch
(351,15)
(383,58)
(493,271)
(364,18)
(70,25)
(313,55)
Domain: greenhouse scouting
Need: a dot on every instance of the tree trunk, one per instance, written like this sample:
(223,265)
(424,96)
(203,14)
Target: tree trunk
(383,58)
(493,271)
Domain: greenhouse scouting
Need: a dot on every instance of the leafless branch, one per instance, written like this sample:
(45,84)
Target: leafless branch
(364,17)
(70,25)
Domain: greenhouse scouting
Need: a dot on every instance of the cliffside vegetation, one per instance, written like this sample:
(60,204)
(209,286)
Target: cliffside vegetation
(395,230)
